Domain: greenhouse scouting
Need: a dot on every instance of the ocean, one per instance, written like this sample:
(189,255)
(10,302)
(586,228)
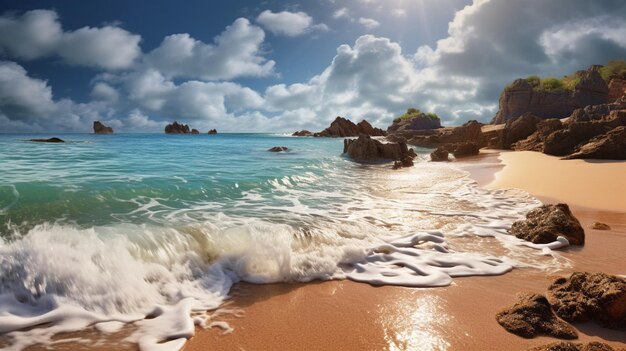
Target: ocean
(154,229)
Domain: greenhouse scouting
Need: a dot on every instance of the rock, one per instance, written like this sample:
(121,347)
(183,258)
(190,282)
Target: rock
(440,154)
(519,128)
(99,128)
(470,131)
(464,149)
(367,149)
(302,133)
(51,140)
(176,128)
(590,296)
(278,149)
(195,131)
(421,121)
(342,127)
(609,146)
(212,131)
(570,346)
(547,222)
(407,161)
(532,316)
(600,226)
(617,89)
(535,141)
(521,97)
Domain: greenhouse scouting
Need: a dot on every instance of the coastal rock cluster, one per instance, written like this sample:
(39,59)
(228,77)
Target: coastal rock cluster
(366,149)
(570,346)
(546,223)
(100,128)
(180,128)
(342,128)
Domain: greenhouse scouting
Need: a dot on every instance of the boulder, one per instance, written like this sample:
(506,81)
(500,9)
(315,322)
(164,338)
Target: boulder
(99,128)
(519,128)
(421,121)
(617,89)
(195,131)
(544,224)
(535,141)
(532,316)
(570,346)
(212,131)
(464,149)
(50,140)
(407,161)
(342,127)
(469,131)
(440,154)
(590,296)
(278,149)
(600,226)
(302,133)
(176,128)
(609,146)
(366,149)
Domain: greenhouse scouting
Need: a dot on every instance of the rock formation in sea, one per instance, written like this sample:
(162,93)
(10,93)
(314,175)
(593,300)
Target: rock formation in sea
(440,154)
(570,346)
(458,150)
(177,128)
(302,133)
(50,140)
(468,132)
(366,149)
(414,119)
(99,128)
(544,224)
(342,127)
(195,131)
(532,316)
(278,149)
(586,297)
(552,98)
(212,131)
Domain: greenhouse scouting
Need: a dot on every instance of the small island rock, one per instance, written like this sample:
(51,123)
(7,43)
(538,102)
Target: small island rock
(99,128)
(278,149)
(50,140)
(213,131)
(177,128)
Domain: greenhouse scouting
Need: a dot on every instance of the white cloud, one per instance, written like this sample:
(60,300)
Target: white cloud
(236,53)
(369,23)
(291,24)
(105,92)
(398,12)
(21,95)
(38,33)
(341,13)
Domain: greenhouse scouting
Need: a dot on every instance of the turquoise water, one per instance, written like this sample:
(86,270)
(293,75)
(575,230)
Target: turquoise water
(152,228)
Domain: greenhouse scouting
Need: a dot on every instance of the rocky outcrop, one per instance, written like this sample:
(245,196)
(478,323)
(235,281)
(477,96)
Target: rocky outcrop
(609,146)
(440,154)
(570,346)
(464,149)
(195,131)
(535,141)
(470,131)
(50,140)
(600,226)
(302,133)
(212,131)
(532,316)
(522,97)
(420,121)
(177,128)
(617,89)
(366,149)
(342,127)
(544,224)
(517,129)
(99,128)
(278,149)
(590,296)
(407,161)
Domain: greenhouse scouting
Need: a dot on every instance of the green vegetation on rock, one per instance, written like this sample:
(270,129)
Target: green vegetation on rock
(614,69)
(412,113)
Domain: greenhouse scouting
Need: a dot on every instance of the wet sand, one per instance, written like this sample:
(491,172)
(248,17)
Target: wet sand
(345,315)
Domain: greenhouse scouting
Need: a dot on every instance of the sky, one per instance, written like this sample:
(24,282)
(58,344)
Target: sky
(282,66)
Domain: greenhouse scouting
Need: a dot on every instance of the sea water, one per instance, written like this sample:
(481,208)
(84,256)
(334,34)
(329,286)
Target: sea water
(154,229)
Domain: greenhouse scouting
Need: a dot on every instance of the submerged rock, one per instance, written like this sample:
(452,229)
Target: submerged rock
(590,296)
(600,226)
(213,131)
(50,140)
(367,149)
(177,128)
(302,133)
(440,154)
(532,316)
(99,128)
(570,346)
(544,224)
(278,149)
(407,161)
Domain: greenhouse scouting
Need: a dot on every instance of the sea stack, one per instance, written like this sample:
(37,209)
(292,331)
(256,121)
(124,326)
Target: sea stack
(177,128)
(99,128)
(213,131)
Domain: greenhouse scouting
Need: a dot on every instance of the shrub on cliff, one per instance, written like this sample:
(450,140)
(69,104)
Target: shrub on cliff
(552,85)
(413,113)
(614,69)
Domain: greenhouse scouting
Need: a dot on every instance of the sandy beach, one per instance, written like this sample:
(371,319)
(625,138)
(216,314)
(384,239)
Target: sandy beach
(351,316)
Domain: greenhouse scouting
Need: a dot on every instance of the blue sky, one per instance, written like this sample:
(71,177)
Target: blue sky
(276,66)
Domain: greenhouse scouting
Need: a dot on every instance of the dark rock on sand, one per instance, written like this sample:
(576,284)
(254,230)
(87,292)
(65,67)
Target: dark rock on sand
(590,296)
(367,149)
(535,141)
(518,128)
(177,128)
(440,154)
(600,226)
(212,131)
(195,131)
(278,149)
(407,161)
(544,224)
(532,316)
(570,346)
(99,128)
(470,131)
(342,127)
(302,133)
(609,146)
(51,140)
(420,121)
(464,149)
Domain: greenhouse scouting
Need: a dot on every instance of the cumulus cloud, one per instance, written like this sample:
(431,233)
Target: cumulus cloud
(398,12)
(369,23)
(291,24)
(235,53)
(38,33)
(341,13)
